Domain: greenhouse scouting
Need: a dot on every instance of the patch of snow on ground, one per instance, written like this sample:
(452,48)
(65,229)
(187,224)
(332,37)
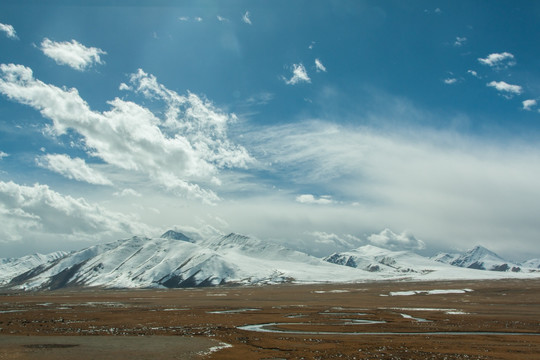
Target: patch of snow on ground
(429,292)
(214,349)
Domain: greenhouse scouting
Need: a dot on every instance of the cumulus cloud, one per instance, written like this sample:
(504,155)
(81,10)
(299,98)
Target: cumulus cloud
(473,73)
(3,155)
(529,104)
(72,54)
(189,145)
(311,199)
(319,66)
(508,90)
(498,60)
(9,30)
(390,240)
(75,169)
(299,75)
(450,81)
(39,209)
(246,18)
(222,19)
(124,87)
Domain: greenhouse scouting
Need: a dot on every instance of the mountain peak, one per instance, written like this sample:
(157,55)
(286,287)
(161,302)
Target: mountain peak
(479,250)
(175,235)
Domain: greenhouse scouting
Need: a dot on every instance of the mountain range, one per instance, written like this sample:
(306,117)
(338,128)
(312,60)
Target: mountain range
(175,260)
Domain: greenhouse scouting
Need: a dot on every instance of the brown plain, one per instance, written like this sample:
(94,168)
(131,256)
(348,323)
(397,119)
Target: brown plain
(186,323)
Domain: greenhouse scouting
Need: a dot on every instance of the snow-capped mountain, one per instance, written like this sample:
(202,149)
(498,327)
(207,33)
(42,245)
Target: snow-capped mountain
(176,260)
(478,258)
(383,261)
(531,264)
(173,260)
(13,267)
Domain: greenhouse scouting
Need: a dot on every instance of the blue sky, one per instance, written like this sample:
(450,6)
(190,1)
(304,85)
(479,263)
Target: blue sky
(318,124)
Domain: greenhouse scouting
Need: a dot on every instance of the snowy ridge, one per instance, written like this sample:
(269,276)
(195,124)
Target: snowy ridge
(174,260)
(13,267)
(479,258)
(382,261)
(164,262)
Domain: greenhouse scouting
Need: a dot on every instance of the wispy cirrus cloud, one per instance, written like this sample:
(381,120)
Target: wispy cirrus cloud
(460,41)
(177,153)
(72,54)
(247,18)
(498,60)
(72,168)
(420,180)
(9,30)
(319,66)
(299,75)
(507,90)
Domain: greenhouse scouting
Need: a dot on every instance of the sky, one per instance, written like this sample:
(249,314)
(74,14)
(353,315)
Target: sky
(322,125)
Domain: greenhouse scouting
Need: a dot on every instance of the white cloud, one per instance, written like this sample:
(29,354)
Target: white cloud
(3,155)
(319,65)
(473,73)
(198,19)
(389,240)
(127,192)
(246,18)
(416,179)
(529,104)
(222,19)
(190,145)
(460,41)
(73,53)
(508,89)
(75,169)
(183,18)
(299,75)
(124,87)
(9,30)
(450,81)
(311,199)
(35,210)
(498,60)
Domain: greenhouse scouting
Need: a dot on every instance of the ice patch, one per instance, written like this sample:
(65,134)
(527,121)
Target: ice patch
(234,311)
(330,291)
(428,292)
(406,316)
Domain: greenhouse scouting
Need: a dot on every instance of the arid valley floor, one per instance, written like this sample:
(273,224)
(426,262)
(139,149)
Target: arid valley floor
(383,320)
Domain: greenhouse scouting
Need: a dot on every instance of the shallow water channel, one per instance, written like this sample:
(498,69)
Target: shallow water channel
(274,328)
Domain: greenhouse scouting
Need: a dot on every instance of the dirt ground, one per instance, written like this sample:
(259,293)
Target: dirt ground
(382,320)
